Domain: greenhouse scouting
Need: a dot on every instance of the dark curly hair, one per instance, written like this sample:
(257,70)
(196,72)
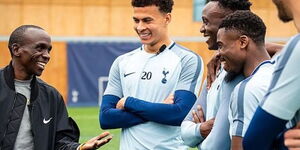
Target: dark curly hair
(164,6)
(234,5)
(17,36)
(246,23)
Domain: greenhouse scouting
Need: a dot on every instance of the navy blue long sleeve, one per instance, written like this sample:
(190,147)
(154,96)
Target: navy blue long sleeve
(111,118)
(169,114)
(263,131)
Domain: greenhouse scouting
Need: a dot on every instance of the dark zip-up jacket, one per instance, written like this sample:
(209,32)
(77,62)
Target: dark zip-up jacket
(52,129)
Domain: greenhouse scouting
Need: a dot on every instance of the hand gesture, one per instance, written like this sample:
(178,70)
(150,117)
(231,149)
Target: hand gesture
(121,103)
(198,115)
(96,142)
(206,127)
(212,68)
(169,99)
(292,138)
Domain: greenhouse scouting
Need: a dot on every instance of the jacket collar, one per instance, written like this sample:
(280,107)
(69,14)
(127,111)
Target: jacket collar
(9,76)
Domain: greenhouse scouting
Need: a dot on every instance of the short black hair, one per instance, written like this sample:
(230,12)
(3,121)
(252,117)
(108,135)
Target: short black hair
(234,5)
(17,36)
(164,6)
(246,23)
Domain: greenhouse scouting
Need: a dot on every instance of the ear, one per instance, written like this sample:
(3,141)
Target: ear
(244,41)
(168,18)
(15,48)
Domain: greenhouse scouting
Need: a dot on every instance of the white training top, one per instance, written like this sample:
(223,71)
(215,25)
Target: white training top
(246,97)
(152,77)
(283,98)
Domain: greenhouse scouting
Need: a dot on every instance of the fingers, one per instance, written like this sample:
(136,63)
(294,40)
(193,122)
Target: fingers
(169,99)
(208,82)
(200,113)
(206,127)
(120,104)
(195,117)
(101,142)
(292,138)
(104,134)
(212,68)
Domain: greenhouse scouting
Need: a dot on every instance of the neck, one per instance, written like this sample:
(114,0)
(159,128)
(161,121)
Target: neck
(155,48)
(294,6)
(297,19)
(20,73)
(254,58)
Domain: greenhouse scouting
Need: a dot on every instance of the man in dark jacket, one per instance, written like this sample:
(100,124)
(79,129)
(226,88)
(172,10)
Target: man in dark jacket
(32,113)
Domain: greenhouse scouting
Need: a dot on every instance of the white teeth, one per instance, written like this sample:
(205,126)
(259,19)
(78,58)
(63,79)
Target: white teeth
(41,64)
(206,38)
(144,34)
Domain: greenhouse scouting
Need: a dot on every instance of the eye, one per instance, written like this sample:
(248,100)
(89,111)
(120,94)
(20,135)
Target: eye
(39,48)
(49,49)
(220,46)
(136,20)
(147,20)
(205,21)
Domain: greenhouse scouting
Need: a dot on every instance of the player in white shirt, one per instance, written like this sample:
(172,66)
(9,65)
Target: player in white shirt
(140,80)
(282,102)
(241,42)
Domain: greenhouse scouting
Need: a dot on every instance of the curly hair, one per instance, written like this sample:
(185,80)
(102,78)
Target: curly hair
(234,5)
(165,6)
(246,23)
(17,36)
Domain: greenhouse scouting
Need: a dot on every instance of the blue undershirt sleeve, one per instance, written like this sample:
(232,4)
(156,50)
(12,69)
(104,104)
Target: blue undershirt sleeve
(169,114)
(263,131)
(111,118)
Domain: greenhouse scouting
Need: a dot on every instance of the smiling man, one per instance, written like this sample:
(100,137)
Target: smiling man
(140,80)
(241,42)
(33,114)
(282,102)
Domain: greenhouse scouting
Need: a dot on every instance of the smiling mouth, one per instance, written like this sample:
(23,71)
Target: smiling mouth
(41,65)
(144,35)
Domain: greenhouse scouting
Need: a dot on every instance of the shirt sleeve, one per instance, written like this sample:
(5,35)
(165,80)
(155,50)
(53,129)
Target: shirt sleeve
(283,99)
(184,97)
(109,116)
(263,130)
(114,86)
(190,131)
(169,114)
(67,132)
(191,74)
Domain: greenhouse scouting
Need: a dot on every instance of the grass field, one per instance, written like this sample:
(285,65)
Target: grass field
(87,120)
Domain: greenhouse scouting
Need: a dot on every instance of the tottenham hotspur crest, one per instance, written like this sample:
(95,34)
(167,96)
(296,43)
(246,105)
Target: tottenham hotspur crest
(164,80)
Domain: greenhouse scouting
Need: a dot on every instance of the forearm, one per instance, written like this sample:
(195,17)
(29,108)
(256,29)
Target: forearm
(111,118)
(170,114)
(264,124)
(190,133)
(236,143)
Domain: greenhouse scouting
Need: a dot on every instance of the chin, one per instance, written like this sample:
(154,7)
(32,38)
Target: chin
(38,73)
(212,46)
(145,42)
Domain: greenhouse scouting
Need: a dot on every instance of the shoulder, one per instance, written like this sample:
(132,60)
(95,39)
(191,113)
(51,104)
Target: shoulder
(186,56)
(127,55)
(184,52)
(46,87)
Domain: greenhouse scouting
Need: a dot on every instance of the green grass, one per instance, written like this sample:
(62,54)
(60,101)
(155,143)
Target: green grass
(87,120)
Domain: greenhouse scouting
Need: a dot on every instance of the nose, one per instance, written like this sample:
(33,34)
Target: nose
(140,26)
(46,55)
(202,29)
